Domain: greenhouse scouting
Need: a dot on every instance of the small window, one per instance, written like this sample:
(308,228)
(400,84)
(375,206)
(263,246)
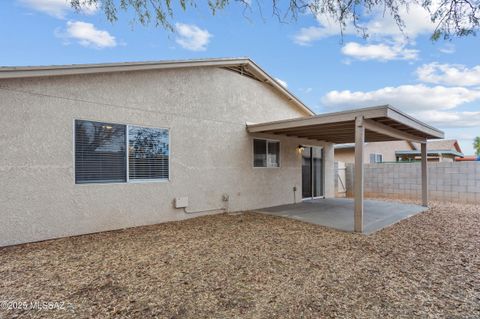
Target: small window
(376,158)
(147,153)
(266,153)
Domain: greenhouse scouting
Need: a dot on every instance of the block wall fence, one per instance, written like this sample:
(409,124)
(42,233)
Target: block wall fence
(454,181)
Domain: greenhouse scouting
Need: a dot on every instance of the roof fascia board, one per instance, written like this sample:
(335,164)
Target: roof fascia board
(407,120)
(22,72)
(343,116)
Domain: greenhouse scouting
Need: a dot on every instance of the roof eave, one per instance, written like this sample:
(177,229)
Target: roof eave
(78,69)
(74,69)
(406,119)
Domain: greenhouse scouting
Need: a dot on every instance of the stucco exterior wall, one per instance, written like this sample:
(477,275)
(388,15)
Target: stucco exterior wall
(346,155)
(211,152)
(387,149)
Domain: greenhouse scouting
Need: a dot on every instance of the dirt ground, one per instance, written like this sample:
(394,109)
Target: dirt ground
(252,266)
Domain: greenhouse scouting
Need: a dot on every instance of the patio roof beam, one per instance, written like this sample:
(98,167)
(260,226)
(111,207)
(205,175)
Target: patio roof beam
(345,125)
(331,118)
(392,132)
(340,127)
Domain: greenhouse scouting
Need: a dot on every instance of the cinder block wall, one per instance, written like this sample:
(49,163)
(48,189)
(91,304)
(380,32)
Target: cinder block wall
(454,181)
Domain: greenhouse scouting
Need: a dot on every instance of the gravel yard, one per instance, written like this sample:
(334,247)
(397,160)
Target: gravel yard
(254,266)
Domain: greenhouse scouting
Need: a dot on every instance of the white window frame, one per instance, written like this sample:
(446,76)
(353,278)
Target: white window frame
(266,149)
(127,181)
(375,156)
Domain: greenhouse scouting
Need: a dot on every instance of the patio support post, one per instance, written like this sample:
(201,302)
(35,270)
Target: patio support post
(358,184)
(424,174)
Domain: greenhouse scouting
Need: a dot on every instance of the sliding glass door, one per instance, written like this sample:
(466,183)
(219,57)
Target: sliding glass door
(312,172)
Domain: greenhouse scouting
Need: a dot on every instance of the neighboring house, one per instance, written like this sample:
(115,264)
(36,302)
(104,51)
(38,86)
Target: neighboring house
(376,152)
(90,148)
(400,151)
(438,151)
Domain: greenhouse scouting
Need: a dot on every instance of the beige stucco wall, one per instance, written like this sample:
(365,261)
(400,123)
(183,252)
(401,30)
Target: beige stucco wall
(388,149)
(211,152)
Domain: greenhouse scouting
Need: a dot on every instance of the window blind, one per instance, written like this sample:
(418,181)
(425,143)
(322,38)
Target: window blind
(148,151)
(100,155)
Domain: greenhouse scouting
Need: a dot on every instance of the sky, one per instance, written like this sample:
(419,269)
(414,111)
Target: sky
(437,82)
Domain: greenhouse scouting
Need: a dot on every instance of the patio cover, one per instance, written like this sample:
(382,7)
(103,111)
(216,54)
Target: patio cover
(373,124)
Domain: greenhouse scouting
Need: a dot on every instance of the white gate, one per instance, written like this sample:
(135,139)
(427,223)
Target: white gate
(340,179)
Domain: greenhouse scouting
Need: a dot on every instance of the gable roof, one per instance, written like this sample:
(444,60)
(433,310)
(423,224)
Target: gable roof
(242,66)
(442,145)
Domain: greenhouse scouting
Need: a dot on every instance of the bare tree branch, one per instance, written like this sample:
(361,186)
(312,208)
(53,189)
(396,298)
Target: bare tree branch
(453,18)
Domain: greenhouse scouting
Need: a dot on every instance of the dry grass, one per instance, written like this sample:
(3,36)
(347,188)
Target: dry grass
(255,266)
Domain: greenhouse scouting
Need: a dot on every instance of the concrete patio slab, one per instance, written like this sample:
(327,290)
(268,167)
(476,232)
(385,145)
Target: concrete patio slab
(338,213)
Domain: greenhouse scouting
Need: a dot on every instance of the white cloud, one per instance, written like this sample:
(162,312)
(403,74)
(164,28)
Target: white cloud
(58,8)
(449,74)
(410,98)
(379,25)
(448,49)
(326,28)
(306,90)
(450,119)
(88,35)
(308,35)
(281,82)
(382,52)
(191,37)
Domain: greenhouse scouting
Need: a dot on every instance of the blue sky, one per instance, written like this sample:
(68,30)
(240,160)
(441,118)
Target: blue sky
(439,82)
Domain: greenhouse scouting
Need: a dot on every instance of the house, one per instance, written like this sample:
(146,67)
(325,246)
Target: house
(438,151)
(90,148)
(400,151)
(377,152)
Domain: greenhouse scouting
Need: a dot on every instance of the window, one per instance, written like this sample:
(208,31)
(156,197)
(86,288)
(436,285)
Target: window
(266,153)
(147,153)
(376,158)
(102,156)
(99,152)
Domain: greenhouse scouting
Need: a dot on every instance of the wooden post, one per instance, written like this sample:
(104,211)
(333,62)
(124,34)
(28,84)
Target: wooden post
(424,175)
(358,184)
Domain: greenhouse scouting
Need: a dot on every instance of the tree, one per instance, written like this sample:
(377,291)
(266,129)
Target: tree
(452,17)
(476,145)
